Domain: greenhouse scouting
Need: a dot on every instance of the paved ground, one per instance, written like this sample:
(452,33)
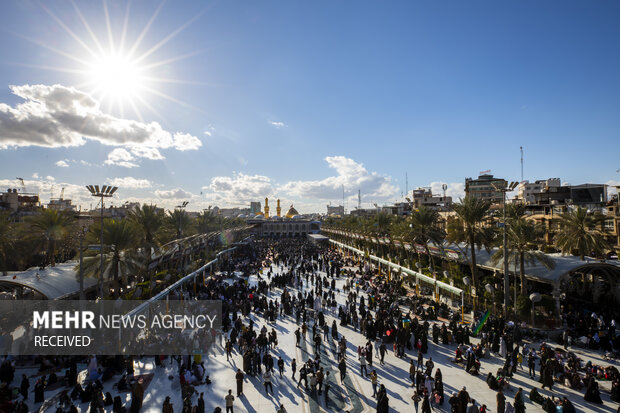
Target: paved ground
(356,394)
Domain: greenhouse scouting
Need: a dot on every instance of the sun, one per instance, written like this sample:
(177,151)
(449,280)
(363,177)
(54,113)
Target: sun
(122,74)
(116,77)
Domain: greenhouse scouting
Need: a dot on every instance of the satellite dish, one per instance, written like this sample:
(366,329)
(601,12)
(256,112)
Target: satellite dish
(535,297)
(490,289)
(466,280)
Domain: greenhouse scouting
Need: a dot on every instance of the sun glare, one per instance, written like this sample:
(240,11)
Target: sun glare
(121,75)
(116,76)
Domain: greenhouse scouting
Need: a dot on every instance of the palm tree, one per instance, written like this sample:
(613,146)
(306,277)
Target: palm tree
(425,228)
(148,220)
(469,228)
(578,233)
(522,236)
(515,211)
(51,227)
(6,241)
(180,221)
(378,226)
(207,222)
(120,239)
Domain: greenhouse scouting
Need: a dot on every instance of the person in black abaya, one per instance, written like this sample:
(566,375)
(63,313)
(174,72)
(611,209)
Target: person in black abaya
(39,391)
(25,385)
(593,394)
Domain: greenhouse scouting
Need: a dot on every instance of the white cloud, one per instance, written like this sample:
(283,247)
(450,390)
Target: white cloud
(186,142)
(83,162)
(350,174)
(120,157)
(50,178)
(239,189)
(277,124)
(62,164)
(210,130)
(35,175)
(176,193)
(148,152)
(129,182)
(455,189)
(58,116)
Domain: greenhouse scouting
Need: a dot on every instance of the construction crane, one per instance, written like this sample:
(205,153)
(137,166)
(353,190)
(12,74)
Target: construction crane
(21,180)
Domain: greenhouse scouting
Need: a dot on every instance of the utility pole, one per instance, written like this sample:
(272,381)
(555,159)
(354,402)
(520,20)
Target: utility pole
(359,199)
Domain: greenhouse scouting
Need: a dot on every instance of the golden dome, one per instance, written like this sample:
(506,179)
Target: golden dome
(291,212)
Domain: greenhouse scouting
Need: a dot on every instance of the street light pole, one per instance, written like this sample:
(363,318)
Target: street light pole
(506,276)
(81,236)
(106,191)
(181,209)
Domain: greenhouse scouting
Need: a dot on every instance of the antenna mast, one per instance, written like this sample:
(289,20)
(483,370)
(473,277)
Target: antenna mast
(359,199)
(521,147)
(406,184)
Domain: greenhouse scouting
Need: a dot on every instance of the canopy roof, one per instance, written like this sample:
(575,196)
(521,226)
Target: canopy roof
(419,276)
(52,282)
(564,265)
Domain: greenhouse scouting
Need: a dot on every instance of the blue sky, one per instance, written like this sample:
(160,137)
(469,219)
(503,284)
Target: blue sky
(294,100)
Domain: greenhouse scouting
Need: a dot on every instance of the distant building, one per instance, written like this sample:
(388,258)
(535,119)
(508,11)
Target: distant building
(14,201)
(364,212)
(115,212)
(424,196)
(527,190)
(592,196)
(61,205)
(254,207)
(230,212)
(588,194)
(482,188)
(611,224)
(292,225)
(399,208)
(555,200)
(335,210)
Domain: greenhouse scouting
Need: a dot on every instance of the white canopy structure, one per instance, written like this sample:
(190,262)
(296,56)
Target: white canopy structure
(51,283)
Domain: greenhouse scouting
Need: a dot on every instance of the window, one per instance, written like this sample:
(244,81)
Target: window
(608,224)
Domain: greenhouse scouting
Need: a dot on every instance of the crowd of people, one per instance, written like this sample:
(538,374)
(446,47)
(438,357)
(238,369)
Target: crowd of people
(311,285)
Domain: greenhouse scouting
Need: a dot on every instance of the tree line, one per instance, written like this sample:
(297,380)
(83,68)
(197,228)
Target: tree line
(474,225)
(53,236)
